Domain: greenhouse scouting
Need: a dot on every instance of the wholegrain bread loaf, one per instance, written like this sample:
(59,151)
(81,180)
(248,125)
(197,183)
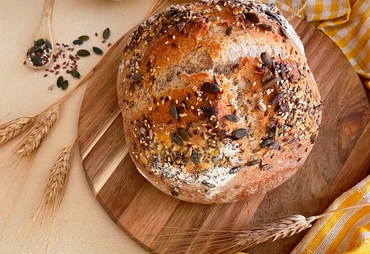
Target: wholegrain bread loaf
(218,101)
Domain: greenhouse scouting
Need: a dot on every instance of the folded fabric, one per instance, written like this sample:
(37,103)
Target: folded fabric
(346,22)
(345,231)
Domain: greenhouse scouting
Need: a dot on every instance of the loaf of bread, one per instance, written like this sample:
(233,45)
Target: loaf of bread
(218,101)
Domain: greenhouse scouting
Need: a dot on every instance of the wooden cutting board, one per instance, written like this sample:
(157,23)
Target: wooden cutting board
(162,224)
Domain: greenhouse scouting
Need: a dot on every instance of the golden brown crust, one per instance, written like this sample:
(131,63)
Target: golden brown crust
(217,100)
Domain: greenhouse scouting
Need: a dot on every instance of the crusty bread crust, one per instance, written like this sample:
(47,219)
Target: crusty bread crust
(218,101)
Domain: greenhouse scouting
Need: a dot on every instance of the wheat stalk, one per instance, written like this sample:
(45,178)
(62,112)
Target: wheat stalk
(14,128)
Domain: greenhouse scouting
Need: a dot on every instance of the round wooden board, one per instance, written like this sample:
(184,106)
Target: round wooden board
(160,223)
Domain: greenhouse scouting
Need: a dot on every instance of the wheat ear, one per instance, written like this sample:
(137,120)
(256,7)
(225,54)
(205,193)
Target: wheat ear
(14,128)
(283,228)
(56,186)
(39,130)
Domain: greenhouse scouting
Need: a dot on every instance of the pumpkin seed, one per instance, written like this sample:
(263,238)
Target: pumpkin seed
(98,51)
(266,59)
(137,76)
(174,112)
(60,81)
(232,118)
(177,139)
(40,42)
(229,30)
(64,85)
(195,157)
(209,111)
(83,37)
(266,27)
(241,133)
(277,98)
(48,44)
(284,107)
(78,42)
(75,74)
(106,33)
(234,170)
(183,134)
(266,142)
(210,88)
(36,61)
(252,17)
(83,52)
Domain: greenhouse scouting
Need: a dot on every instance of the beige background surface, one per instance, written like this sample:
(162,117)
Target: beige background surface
(81,226)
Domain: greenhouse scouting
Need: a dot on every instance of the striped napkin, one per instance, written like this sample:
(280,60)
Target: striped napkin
(345,231)
(346,22)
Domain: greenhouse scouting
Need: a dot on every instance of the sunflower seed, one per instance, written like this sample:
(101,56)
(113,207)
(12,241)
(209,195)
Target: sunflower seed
(265,167)
(254,162)
(174,112)
(234,170)
(266,59)
(208,184)
(252,17)
(274,145)
(232,118)
(270,83)
(210,88)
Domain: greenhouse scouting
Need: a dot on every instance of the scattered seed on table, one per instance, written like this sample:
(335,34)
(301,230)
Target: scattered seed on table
(98,51)
(84,37)
(106,33)
(83,52)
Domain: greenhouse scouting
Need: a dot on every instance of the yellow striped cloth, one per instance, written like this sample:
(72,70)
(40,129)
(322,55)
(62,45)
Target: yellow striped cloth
(345,231)
(346,22)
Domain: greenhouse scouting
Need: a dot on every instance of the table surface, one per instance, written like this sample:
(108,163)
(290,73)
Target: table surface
(81,225)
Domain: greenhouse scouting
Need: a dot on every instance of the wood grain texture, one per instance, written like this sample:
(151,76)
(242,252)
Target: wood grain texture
(339,160)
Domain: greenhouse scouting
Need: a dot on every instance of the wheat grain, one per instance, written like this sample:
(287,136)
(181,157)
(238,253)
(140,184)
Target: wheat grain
(14,128)
(39,130)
